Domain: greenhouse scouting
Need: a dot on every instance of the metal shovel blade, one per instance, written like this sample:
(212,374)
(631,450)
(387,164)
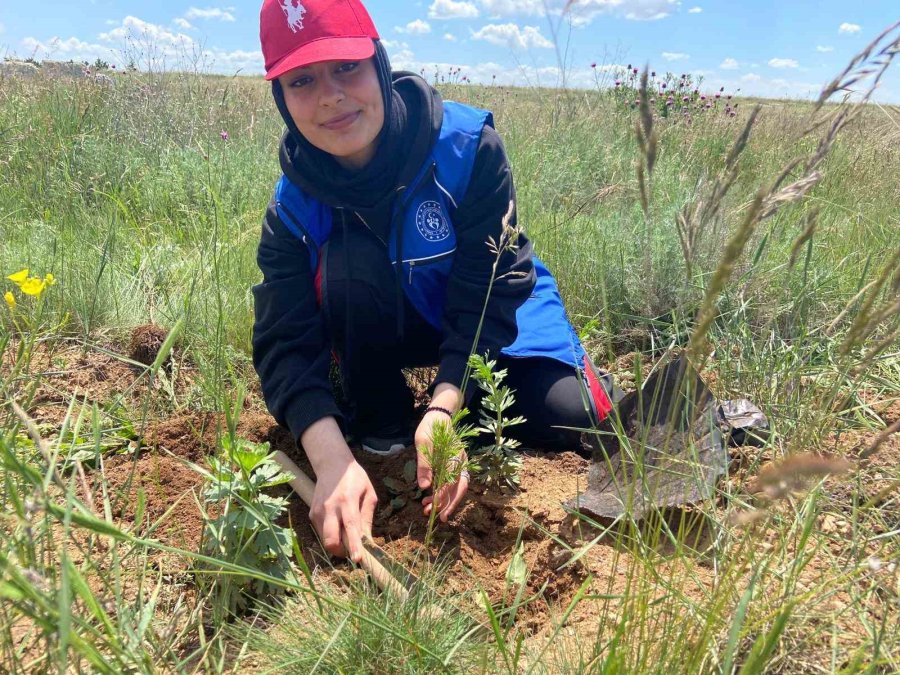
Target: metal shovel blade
(671,451)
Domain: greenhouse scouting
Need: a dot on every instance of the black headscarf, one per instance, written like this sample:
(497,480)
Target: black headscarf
(328,181)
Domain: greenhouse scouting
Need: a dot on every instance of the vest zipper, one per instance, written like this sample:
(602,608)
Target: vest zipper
(427,261)
(281,209)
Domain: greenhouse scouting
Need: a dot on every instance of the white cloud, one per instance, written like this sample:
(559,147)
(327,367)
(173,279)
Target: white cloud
(450,9)
(184,24)
(394,44)
(510,35)
(417,27)
(210,13)
(783,63)
(849,28)
(675,56)
(70,48)
(162,39)
(583,12)
(729,64)
(824,50)
(450,37)
(695,10)
(750,77)
(496,8)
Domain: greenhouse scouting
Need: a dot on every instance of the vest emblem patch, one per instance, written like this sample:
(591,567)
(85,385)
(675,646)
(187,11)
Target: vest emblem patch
(431,222)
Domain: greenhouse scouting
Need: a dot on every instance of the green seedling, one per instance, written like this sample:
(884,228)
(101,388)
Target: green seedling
(245,532)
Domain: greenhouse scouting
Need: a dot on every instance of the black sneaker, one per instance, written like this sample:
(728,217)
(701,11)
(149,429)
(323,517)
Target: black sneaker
(386,447)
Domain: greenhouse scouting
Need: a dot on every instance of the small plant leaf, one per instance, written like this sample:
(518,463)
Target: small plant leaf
(394,486)
(517,572)
(409,472)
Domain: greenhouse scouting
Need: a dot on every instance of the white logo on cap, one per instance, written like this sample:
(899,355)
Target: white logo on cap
(294,14)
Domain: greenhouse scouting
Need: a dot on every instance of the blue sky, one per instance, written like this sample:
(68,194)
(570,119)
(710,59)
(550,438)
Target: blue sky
(785,48)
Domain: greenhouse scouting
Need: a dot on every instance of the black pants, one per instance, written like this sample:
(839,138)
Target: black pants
(362,317)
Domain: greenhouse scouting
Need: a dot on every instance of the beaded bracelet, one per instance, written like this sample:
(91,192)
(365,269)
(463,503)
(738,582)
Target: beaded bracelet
(438,408)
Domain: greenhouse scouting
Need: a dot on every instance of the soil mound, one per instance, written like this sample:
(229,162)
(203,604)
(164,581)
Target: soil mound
(146,342)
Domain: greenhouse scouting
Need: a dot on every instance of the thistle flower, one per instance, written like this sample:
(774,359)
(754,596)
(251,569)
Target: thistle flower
(685,98)
(618,83)
(663,85)
(223,135)
(594,65)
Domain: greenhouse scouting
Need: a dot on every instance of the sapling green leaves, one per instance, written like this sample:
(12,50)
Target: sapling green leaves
(244,532)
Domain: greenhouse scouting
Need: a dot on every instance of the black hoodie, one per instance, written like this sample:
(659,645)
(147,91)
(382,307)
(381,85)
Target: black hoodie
(293,337)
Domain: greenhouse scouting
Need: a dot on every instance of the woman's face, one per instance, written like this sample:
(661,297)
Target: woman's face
(338,107)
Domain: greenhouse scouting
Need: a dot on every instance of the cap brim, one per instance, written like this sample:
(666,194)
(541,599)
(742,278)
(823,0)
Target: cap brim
(326,49)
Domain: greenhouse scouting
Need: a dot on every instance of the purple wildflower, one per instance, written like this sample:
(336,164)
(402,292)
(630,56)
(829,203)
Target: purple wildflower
(594,65)
(224,135)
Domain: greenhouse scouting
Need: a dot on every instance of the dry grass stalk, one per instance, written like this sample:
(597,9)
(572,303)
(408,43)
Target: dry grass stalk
(780,479)
(879,440)
(733,250)
(863,324)
(863,64)
(692,222)
(805,236)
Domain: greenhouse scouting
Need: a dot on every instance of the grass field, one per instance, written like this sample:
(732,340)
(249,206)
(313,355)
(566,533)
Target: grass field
(764,243)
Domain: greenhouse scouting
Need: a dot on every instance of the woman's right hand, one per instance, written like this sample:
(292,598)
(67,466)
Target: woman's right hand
(343,507)
(343,504)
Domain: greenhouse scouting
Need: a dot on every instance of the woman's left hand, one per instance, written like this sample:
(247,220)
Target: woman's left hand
(448,496)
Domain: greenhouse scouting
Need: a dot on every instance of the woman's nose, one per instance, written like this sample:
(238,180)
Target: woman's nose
(330,91)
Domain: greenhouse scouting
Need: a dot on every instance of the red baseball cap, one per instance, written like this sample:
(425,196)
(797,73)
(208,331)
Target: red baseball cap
(295,33)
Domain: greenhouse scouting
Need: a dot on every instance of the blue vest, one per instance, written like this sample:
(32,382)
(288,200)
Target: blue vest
(422,240)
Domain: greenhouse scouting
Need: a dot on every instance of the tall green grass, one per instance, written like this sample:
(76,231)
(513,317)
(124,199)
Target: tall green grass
(130,196)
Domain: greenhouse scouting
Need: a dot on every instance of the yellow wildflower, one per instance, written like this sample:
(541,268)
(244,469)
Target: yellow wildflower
(19,277)
(33,286)
(10,299)
(49,279)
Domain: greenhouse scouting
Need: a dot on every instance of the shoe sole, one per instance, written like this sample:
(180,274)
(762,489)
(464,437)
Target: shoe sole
(393,452)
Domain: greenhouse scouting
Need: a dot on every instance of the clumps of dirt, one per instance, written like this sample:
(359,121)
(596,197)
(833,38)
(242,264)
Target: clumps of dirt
(166,483)
(145,343)
(159,471)
(481,537)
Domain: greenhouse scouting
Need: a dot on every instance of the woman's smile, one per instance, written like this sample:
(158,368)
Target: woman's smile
(343,121)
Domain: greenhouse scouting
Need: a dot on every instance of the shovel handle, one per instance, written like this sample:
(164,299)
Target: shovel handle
(305,487)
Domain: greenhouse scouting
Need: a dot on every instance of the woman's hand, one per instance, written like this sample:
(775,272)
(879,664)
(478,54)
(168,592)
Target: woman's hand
(344,501)
(448,496)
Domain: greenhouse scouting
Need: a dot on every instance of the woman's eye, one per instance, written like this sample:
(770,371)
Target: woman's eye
(348,67)
(301,82)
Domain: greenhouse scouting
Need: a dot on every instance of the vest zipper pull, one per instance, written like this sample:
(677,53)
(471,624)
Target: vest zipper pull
(411,263)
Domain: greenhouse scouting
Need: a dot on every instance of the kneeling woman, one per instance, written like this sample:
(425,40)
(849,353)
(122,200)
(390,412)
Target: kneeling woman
(374,250)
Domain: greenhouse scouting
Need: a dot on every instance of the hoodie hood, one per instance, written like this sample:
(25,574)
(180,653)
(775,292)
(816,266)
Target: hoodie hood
(413,117)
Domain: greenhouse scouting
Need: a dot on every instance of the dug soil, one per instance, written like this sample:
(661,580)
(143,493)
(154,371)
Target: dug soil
(150,476)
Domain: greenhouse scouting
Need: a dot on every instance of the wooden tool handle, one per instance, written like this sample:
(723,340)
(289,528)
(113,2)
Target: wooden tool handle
(304,487)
